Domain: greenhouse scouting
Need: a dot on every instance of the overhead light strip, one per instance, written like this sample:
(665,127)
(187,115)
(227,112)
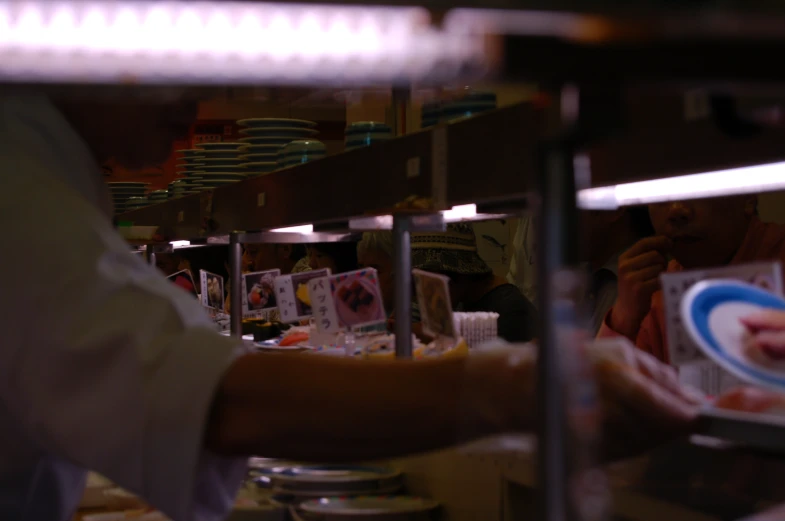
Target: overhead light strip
(735,181)
(204,42)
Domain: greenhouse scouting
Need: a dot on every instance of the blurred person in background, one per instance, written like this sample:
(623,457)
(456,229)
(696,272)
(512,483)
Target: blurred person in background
(289,258)
(339,257)
(375,250)
(606,236)
(473,285)
(705,233)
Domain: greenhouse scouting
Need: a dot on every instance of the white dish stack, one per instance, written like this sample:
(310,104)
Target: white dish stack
(123,192)
(221,164)
(265,138)
(188,168)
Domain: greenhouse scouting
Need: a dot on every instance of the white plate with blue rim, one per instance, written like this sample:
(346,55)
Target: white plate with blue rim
(369,505)
(712,311)
(275,122)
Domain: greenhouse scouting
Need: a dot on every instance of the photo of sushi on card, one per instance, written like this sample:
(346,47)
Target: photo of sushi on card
(357,298)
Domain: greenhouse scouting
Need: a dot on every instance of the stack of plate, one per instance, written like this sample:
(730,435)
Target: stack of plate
(389,508)
(178,188)
(468,105)
(122,191)
(264,137)
(221,164)
(364,133)
(334,480)
(430,114)
(134,203)
(158,196)
(302,151)
(189,167)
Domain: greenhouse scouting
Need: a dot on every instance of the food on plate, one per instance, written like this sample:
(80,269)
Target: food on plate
(294,339)
(302,294)
(752,399)
(357,303)
(762,353)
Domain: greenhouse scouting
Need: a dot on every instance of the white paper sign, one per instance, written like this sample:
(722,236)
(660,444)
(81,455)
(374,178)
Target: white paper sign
(293,297)
(695,368)
(323,305)
(258,292)
(212,290)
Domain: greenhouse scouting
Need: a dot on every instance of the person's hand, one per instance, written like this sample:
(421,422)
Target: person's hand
(639,271)
(765,340)
(642,401)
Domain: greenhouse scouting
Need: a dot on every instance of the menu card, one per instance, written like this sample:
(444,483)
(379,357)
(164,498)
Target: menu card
(292,295)
(347,300)
(258,293)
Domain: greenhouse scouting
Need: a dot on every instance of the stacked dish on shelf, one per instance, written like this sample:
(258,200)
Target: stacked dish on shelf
(265,137)
(123,192)
(134,203)
(430,114)
(178,188)
(189,168)
(365,133)
(158,196)
(301,151)
(221,164)
(468,105)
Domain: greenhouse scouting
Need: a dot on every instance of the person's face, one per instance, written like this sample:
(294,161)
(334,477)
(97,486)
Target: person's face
(383,265)
(705,232)
(259,257)
(319,260)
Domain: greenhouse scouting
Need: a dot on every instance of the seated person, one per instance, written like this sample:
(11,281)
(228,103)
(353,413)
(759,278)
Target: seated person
(607,235)
(289,258)
(706,233)
(473,285)
(340,257)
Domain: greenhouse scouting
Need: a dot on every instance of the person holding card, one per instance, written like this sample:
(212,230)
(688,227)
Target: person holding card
(473,285)
(706,233)
(129,378)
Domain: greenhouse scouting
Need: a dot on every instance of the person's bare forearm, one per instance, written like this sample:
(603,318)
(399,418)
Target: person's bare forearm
(319,409)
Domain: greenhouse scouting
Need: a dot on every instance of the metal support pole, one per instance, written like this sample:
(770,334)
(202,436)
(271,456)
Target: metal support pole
(150,254)
(401,98)
(402,266)
(556,216)
(235,285)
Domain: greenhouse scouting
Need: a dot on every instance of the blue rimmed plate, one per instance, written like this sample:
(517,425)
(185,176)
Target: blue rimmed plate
(712,311)
(369,505)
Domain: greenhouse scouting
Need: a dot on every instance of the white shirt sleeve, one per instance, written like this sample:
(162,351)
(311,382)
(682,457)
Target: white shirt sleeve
(104,362)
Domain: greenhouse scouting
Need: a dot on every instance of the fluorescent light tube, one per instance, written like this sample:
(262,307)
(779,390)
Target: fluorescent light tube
(180,244)
(201,42)
(459,213)
(735,181)
(304,229)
